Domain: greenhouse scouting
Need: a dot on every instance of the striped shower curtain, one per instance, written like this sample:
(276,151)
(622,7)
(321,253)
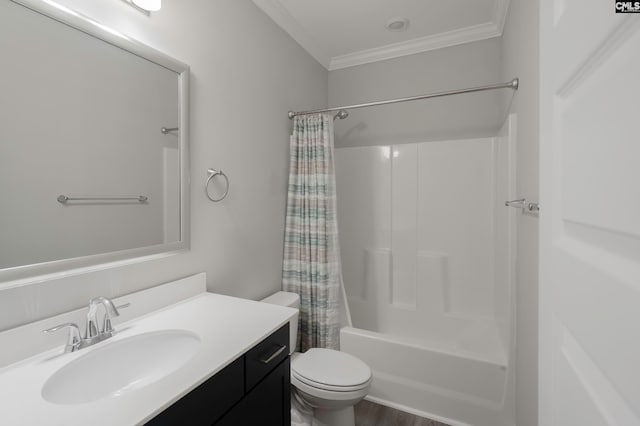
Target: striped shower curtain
(311,265)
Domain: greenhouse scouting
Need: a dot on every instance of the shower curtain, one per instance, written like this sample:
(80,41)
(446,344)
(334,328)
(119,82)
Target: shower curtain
(311,265)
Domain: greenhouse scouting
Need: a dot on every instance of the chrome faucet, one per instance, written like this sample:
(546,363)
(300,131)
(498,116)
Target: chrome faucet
(93,333)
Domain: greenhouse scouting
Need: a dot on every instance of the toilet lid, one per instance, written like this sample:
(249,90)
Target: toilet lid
(330,368)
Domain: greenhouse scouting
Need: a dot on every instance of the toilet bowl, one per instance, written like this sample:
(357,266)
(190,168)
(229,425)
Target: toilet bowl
(329,382)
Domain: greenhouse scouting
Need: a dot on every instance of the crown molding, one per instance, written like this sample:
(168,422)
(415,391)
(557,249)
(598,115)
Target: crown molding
(276,11)
(417,45)
(281,16)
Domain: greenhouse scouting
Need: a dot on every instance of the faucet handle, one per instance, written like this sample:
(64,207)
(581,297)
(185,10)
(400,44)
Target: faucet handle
(73,340)
(106,326)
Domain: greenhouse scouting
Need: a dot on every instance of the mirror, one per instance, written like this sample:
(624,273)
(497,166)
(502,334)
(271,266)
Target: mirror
(86,174)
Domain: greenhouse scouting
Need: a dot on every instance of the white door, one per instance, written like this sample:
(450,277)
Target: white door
(590,214)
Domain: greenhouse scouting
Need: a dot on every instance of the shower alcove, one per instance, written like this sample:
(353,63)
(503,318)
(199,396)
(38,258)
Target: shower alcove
(426,248)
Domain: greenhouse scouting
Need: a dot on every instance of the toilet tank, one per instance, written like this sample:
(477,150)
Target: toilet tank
(291,300)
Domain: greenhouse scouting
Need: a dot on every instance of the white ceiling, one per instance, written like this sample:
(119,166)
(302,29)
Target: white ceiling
(344,33)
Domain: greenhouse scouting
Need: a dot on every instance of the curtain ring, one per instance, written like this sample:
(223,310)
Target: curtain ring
(213,173)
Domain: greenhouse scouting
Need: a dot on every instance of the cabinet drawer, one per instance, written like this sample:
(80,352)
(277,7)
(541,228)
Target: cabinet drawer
(209,401)
(266,356)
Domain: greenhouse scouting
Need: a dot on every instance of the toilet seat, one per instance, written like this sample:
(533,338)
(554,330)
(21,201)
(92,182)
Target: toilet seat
(330,371)
(318,397)
(325,387)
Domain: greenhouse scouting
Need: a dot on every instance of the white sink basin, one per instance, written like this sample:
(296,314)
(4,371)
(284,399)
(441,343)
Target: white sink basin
(121,366)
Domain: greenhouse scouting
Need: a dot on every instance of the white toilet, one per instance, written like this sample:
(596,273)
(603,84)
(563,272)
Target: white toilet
(331,382)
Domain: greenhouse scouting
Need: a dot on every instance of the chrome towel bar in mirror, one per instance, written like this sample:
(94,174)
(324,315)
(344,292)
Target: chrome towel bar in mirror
(139,198)
(212,174)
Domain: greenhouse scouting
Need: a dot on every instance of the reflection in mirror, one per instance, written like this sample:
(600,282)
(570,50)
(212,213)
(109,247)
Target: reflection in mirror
(81,112)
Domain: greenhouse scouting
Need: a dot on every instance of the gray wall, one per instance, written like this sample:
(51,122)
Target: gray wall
(246,74)
(521,58)
(465,116)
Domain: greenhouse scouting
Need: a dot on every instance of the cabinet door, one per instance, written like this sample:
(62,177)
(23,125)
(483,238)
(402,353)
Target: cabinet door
(208,402)
(269,403)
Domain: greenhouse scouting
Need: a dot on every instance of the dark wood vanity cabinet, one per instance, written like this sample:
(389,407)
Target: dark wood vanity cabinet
(253,389)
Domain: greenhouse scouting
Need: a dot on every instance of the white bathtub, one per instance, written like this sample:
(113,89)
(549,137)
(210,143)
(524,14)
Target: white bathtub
(432,379)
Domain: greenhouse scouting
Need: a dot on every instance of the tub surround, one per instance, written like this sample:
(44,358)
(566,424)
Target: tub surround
(428,279)
(227,327)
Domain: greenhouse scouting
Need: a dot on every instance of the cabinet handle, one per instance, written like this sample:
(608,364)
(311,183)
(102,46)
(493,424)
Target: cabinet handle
(273,355)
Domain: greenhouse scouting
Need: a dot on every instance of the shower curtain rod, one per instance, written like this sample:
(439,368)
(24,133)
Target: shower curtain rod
(513,84)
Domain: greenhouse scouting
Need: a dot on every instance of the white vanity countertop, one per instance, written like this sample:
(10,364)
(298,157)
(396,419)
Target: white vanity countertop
(227,328)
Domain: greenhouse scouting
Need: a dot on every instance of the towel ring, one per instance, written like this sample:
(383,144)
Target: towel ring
(213,173)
